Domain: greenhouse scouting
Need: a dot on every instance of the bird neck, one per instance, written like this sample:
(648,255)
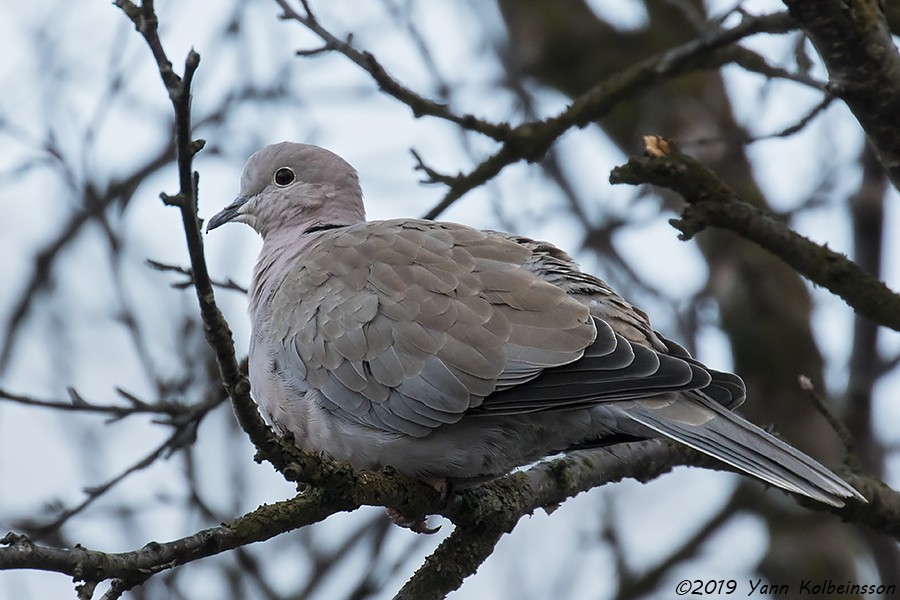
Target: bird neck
(280,250)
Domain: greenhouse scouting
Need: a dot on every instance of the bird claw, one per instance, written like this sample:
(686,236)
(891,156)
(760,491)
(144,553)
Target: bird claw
(415,524)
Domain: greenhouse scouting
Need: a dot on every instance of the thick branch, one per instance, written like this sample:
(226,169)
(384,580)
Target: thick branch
(483,513)
(456,558)
(854,41)
(712,203)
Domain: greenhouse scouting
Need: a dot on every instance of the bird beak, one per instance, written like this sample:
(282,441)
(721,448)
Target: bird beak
(227,214)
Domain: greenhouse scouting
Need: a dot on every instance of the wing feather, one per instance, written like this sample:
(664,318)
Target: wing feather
(408,325)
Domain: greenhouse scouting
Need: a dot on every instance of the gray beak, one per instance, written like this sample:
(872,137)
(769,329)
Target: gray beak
(226,214)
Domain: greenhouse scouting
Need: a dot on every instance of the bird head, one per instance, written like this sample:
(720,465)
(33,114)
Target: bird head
(295,187)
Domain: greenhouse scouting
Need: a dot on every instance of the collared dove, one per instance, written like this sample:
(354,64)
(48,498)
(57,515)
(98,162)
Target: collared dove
(451,353)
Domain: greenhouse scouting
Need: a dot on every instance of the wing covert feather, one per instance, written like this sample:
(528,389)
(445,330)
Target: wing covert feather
(407,325)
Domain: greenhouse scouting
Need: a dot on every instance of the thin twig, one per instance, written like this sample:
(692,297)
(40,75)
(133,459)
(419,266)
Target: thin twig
(839,427)
(530,140)
(788,131)
(183,431)
(420,105)
(77,403)
(228,284)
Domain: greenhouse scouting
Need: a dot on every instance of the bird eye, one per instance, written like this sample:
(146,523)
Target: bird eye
(284,176)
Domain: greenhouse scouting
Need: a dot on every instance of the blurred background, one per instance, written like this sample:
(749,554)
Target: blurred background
(113,430)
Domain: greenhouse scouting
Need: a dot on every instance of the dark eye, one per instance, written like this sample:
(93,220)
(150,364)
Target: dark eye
(284,176)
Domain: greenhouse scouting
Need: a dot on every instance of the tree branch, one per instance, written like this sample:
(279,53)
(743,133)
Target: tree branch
(482,514)
(531,140)
(419,105)
(854,41)
(218,333)
(18,552)
(453,560)
(712,203)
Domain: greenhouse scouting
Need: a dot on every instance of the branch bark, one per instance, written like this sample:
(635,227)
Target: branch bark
(854,41)
(482,514)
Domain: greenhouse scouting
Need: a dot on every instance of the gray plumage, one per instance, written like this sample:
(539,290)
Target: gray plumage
(449,352)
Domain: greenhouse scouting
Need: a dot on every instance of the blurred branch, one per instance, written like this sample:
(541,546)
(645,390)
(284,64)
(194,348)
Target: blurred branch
(77,403)
(867,211)
(230,284)
(756,63)
(531,140)
(788,131)
(854,41)
(712,203)
(840,428)
(639,585)
(95,203)
(420,105)
(405,18)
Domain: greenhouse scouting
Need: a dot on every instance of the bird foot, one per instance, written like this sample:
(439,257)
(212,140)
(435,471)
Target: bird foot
(416,524)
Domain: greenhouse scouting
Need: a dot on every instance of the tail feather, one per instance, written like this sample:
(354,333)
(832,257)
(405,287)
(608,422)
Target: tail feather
(741,444)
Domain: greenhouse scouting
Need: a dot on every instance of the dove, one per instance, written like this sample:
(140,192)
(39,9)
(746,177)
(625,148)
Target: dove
(454,354)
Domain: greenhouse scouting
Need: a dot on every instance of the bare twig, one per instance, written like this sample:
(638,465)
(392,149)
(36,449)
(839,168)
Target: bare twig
(634,585)
(788,131)
(420,105)
(529,141)
(756,63)
(184,430)
(432,175)
(77,403)
(839,427)
(228,284)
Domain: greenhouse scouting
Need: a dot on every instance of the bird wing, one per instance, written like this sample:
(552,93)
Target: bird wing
(407,325)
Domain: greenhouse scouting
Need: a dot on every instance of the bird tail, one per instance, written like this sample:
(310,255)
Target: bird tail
(709,428)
